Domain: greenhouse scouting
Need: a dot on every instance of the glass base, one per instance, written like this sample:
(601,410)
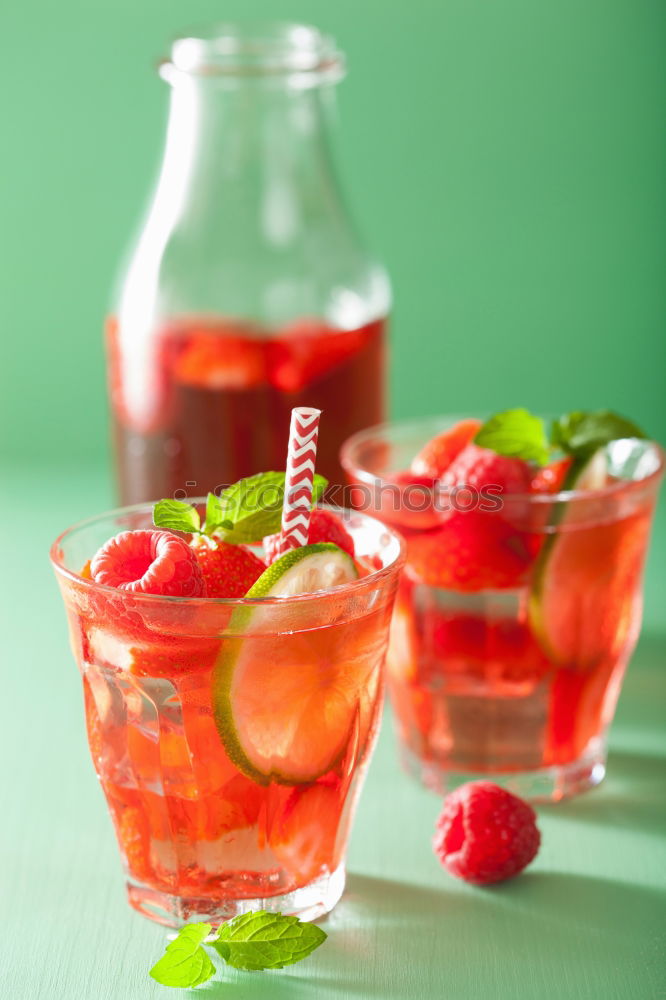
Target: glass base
(547,784)
(308,903)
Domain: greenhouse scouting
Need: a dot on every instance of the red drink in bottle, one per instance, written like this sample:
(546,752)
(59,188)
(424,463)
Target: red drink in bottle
(219,397)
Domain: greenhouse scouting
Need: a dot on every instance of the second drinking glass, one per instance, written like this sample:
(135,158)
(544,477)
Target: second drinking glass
(516,616)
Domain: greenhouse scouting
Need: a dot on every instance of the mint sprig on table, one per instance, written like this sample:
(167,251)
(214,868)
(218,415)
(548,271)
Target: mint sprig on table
(245,512)
(254,941)
(519,434)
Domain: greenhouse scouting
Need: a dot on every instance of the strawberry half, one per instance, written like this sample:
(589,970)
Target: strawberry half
(473,550)
(436,456)
(228,570)
(551,478)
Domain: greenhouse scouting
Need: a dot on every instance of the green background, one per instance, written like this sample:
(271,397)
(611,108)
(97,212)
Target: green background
(505,158)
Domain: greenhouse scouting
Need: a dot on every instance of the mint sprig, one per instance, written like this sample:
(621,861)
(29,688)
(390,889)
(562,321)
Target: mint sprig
(580,434)
(250,509)
(185,963)
(245,512)
(176,515)
(253,941)
(517,434)
(261,940)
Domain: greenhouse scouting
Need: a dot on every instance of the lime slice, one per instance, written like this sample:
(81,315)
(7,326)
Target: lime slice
(284,705)
(584,581)
(304,570)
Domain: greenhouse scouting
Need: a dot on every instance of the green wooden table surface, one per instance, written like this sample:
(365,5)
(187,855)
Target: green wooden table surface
(586,921)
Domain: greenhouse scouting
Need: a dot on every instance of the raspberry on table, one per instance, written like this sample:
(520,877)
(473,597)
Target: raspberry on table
(148,562)
(485,834)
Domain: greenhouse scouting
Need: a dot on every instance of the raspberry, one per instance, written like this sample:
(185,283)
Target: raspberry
(324,527)
(485,834)
(149,562)
(436,456)
(228,570)
(479,467)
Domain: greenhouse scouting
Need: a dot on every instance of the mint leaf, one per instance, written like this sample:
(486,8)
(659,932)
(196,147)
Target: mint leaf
(581,434)
(517,434)
(264,940)
(176,515)
(185,963)
(213,514)
(252,508)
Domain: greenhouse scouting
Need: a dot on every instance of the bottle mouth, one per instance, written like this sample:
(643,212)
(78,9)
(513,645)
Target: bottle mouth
(256,49)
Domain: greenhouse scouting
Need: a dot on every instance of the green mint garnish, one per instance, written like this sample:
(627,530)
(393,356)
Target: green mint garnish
(185,963)
(517,434)
(264,940)
(253,941)
(176,515)
(581,434)
(252,508)
(244,513)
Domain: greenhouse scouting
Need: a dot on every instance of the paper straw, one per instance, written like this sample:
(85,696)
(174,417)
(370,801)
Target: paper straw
(301,457)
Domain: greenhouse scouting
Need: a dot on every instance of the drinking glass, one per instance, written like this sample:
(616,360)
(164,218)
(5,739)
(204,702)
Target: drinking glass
(516,615)
(231,737)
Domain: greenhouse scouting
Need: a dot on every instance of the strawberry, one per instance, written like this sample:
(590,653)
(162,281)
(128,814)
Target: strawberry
(436,456)
(479,468)
(228,570)
(306,835)
(325,526)
(472,550)
(134,838)
(221,358)
(307,350)
(550,478)
(408,500)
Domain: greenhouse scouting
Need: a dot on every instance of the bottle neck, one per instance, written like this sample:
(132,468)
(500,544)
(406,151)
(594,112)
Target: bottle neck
(253,155)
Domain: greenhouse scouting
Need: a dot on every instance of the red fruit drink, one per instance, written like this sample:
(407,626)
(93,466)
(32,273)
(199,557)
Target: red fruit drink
(211,403)
(230,737)
(514,621)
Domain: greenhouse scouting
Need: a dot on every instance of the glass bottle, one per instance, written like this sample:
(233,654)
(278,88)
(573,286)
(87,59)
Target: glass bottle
(248,291)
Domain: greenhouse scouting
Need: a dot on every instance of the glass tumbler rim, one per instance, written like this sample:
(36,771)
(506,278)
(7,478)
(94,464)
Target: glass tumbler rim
(435,423)
(350,589)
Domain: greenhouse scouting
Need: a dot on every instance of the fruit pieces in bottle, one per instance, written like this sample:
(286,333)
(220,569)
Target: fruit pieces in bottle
(207,401)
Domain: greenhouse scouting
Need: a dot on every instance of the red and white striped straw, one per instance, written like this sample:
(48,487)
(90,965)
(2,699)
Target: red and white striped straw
(301,457)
